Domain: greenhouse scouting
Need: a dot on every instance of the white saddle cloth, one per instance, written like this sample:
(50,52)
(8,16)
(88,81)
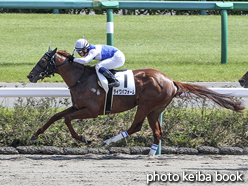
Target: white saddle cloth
(126,79)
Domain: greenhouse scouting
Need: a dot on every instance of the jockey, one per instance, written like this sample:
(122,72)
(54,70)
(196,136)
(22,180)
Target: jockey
(109,57)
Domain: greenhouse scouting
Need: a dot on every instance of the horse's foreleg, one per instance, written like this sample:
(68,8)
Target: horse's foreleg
(54,118)
(83,113)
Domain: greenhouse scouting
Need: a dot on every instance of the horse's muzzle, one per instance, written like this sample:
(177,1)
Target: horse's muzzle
(32,79)
(243,83)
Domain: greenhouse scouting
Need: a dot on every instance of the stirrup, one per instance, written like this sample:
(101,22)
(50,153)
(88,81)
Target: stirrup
(116,83)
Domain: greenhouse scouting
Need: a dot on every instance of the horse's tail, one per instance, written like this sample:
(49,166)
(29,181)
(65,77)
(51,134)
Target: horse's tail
(203,92)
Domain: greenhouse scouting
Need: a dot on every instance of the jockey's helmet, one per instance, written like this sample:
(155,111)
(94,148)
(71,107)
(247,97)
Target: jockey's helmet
(81,44)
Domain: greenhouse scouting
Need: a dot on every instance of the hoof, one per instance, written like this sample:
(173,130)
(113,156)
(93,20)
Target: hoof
(89,142)
(103,144)
(33,138)
(150,156)
(84,140)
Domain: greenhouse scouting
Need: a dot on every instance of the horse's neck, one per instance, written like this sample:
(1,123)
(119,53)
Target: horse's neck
(69,72)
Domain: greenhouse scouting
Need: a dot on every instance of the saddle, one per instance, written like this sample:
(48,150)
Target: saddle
(126,88)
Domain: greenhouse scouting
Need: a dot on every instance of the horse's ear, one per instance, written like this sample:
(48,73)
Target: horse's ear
(53,52)
(49,49)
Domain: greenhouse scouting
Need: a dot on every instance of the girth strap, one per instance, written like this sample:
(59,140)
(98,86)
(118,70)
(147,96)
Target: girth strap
(109,101)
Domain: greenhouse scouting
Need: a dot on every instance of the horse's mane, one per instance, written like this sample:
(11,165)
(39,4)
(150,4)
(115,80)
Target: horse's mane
(64,53)
(67,54)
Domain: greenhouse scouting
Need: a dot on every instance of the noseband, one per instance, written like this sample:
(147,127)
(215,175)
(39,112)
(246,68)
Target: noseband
(50,68)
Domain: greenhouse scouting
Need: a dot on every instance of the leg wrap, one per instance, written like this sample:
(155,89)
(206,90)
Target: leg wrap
(153,150)
(116,138)
(119,136)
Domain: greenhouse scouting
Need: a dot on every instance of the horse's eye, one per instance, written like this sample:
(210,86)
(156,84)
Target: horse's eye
(43,61)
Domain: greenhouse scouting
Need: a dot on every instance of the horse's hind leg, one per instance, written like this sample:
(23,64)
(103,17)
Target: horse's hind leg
(153,119)
(135,127)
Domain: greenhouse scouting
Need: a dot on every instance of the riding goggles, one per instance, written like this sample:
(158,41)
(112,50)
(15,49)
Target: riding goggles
(80,51)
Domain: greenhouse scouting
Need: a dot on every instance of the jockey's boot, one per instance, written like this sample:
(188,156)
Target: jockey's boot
(113,82)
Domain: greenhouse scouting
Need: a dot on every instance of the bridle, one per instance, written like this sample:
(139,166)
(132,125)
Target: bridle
(50,68)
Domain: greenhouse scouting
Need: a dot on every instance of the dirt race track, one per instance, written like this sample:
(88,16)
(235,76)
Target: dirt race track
(122,169)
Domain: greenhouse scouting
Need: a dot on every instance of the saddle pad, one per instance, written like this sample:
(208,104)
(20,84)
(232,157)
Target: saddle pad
(127,84)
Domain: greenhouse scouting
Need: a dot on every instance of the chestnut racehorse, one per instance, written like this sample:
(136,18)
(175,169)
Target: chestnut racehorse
(154,92)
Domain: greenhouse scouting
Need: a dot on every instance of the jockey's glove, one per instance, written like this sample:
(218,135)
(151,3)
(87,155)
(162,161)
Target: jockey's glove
(71,58)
